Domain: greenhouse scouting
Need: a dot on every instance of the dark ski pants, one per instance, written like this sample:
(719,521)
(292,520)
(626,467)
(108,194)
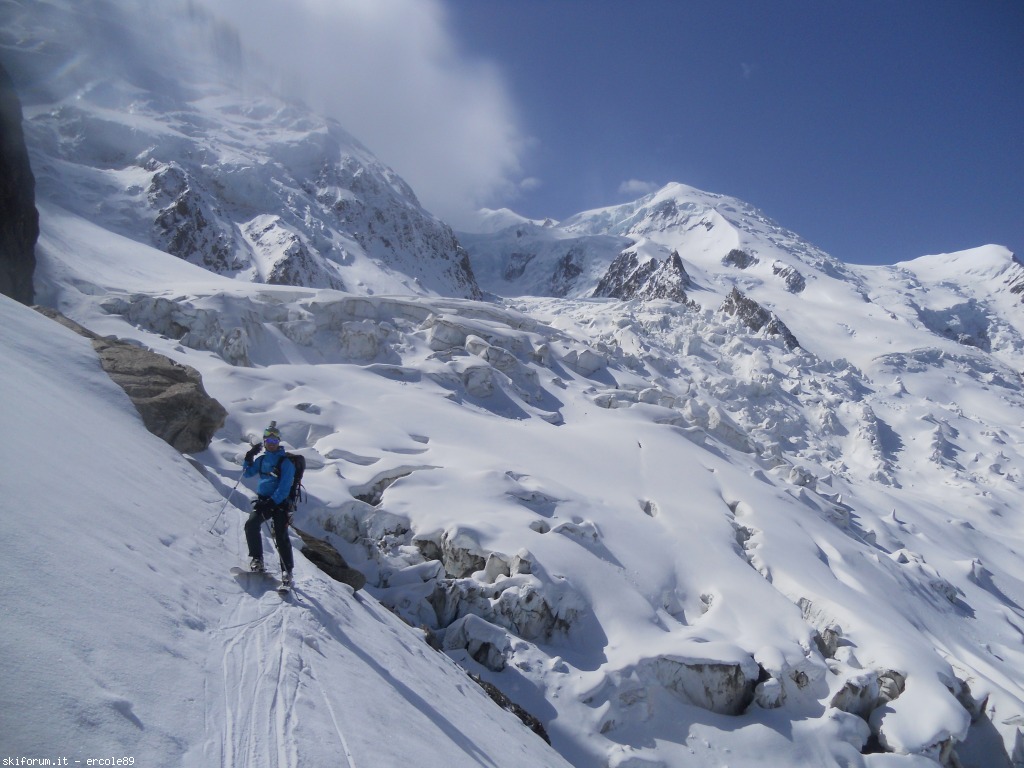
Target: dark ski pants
(254,538)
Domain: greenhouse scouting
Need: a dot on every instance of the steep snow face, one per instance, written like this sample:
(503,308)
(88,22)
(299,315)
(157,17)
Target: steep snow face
(246,186)
(126,637)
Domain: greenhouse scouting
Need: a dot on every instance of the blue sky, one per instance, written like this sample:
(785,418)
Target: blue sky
(880,131)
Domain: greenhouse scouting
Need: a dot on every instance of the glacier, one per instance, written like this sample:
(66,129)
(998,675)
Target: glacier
(668,530)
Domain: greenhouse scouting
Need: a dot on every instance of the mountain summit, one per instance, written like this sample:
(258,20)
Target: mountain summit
(710,232)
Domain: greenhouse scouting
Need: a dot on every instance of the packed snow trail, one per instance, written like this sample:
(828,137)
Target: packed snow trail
(261,656)
(258,688)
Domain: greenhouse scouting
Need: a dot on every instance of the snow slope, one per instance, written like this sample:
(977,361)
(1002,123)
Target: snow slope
(671,534)
(671,539)
(489,221)
(126,636)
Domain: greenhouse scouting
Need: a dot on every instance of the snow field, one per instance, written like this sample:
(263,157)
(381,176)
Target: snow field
(615,528)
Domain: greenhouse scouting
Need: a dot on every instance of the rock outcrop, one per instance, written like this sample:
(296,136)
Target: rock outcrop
(186,223)
(19,219)
(1015,277)
(329,560)
(507,704)
(757,318)
(795,282)
(630,277)
(739,258)
(169,397)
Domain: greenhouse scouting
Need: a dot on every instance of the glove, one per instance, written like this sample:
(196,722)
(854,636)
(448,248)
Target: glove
(251,454)
(263,506)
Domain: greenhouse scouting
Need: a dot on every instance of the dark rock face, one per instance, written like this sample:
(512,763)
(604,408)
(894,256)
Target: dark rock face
(329,560)
(1016,278)
(170,397)
(755,317)
(185,224)
(569,268)
(739,259)
(795,282)
(629,278)
(19,219)
(507,704)
(517,264)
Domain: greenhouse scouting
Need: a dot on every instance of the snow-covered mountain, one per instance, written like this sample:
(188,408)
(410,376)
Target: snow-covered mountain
(607,249)
(489,221)
(745,501)
(250,186)
(680,243)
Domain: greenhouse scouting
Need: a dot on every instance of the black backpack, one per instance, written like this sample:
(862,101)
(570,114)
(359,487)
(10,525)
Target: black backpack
(295,494)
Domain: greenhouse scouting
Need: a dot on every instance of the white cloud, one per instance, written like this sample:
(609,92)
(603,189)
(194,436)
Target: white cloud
(392,73)
(530,184)
(637,188)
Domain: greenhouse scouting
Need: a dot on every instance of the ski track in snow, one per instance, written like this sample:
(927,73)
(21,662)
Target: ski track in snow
(261,656)
(255,692)
(261,681)
(334,717)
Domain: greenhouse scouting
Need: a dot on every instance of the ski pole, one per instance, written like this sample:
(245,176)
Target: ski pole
(225,505)
(273,537)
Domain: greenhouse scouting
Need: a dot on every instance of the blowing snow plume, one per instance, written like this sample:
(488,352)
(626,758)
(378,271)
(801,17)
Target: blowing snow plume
(392,73)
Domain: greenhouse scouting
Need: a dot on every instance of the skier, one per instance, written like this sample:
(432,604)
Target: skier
(276,473)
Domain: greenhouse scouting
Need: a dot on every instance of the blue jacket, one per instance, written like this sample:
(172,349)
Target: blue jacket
(271,485)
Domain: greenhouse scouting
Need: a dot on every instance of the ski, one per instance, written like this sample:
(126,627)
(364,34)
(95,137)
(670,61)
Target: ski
(285,586)
(245,573)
